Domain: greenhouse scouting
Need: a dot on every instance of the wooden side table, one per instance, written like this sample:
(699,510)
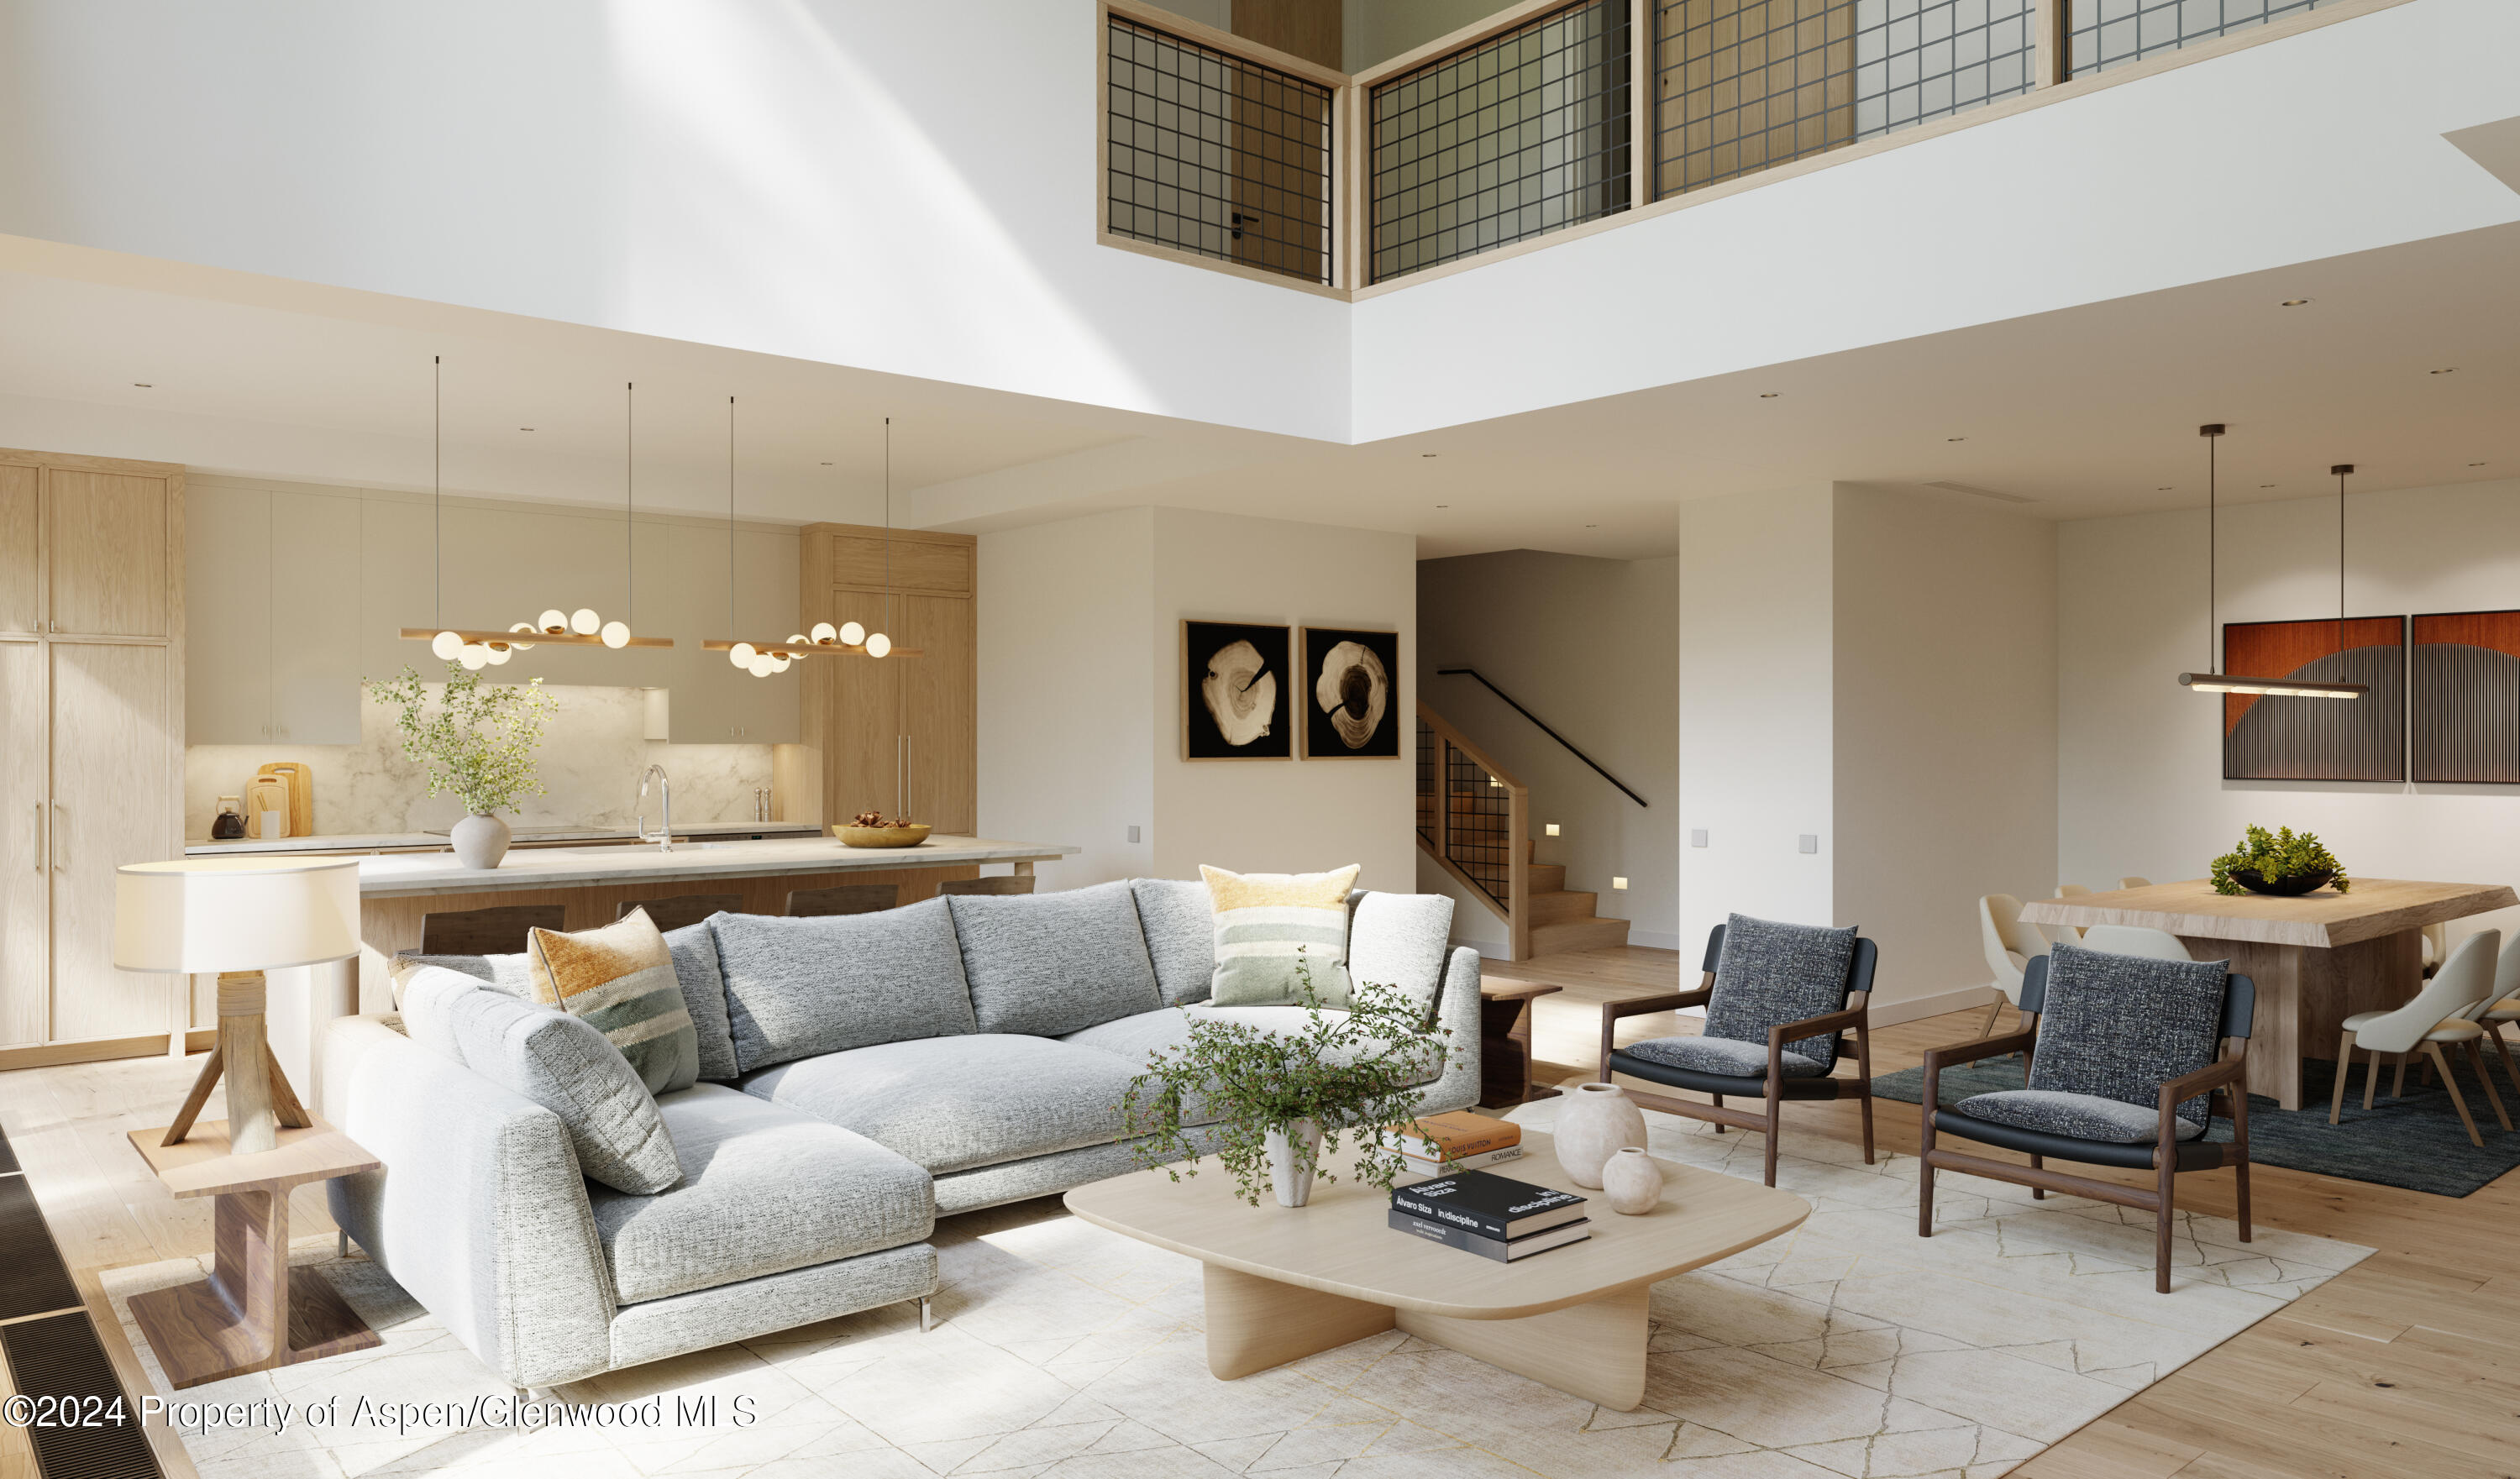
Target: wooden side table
(254,1311)
(1504,1043)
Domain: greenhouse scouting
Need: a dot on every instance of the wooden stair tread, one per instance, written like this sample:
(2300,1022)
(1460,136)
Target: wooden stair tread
(1546,877)
(1560,906)
(1578,934)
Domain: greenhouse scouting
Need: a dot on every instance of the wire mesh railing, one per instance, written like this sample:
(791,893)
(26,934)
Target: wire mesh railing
(2103,33)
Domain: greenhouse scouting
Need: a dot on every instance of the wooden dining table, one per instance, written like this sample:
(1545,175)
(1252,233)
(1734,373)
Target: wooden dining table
(2315,959)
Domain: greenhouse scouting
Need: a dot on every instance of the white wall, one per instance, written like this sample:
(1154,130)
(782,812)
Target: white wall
(1757,761)
(1592,645)
(1081,692)
(2139,758)
(1287,816)
(1945,760)
(1069,691)
(902,188)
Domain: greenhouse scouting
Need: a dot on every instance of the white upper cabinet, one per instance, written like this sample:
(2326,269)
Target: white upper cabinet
(273,587)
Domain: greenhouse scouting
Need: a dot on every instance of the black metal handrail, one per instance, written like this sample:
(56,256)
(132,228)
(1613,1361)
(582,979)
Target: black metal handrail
(1627,790)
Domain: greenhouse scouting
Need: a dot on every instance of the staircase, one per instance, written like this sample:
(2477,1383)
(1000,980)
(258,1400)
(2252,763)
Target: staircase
(1473,820)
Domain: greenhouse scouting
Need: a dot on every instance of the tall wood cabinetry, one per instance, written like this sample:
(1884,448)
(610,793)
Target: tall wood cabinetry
(901,733)
(91,742)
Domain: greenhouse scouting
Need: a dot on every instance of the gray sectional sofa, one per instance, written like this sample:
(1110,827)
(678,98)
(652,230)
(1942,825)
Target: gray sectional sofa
(860,1076)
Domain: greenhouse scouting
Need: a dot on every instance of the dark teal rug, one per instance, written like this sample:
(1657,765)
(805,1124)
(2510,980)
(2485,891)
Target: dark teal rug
(2415,1143)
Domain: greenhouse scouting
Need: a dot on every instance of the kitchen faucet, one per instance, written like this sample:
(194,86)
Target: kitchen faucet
(664,839)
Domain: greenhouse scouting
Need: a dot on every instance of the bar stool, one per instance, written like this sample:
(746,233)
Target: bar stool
(485,931)
(682,908)
(842,899)
(987,888)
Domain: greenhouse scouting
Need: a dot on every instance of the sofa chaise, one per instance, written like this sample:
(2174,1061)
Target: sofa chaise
(860,1076)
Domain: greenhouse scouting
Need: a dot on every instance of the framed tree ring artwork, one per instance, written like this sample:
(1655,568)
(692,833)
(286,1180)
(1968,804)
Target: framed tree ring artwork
(1351,694)
(1236,691)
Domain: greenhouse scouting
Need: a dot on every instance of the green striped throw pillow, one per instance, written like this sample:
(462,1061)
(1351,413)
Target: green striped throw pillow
(620,981)
(1268,923)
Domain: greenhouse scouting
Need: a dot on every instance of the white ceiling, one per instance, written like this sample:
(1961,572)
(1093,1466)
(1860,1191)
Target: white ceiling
(2085,412)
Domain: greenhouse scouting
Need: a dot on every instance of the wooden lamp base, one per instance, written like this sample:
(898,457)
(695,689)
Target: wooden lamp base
(260,1102)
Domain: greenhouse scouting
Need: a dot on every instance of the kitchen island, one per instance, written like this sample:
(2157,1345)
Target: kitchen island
(590,885)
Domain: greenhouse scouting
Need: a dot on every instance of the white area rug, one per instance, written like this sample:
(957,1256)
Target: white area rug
(1849,1349)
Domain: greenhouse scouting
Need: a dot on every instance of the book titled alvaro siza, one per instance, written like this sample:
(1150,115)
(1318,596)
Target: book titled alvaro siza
(1488,1205)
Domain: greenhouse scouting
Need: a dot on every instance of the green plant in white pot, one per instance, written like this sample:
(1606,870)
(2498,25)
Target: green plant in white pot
(1274,1102)
(477,742)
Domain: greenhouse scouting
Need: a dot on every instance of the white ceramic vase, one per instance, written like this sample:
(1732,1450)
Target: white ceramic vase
(1291,1180)
(1631,1182)
(480,840)
(1598,1120)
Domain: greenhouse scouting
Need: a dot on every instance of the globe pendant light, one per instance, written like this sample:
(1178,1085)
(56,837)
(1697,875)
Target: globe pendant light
(2280,688)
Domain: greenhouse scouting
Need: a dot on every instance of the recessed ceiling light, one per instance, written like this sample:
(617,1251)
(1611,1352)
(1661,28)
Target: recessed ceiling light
(1955,438)
(524,428)
(1591,526)
(1429,454)
(1443,505)
(2294,302)
(2476,465)
(2164,488)
(2451,370)
(143,385)
(2265,486)
(826,464)
(1767,396)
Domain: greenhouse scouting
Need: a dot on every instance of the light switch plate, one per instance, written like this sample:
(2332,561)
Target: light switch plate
(1133,834)
(1810,842)
(1697,836)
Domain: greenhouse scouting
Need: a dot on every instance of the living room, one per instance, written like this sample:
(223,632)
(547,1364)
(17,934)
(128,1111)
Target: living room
(1127,657)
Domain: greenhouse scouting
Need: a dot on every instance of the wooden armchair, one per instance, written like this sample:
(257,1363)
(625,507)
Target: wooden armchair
(2164,1151)
(1770,1084)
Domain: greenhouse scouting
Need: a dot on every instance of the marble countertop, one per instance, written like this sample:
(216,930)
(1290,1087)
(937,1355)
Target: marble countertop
(362,841)
(526,869)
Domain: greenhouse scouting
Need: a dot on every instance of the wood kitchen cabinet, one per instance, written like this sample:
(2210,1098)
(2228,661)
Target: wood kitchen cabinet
(895,733)
(92,626)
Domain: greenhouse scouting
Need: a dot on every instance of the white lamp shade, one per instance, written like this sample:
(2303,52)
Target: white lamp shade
(235,914)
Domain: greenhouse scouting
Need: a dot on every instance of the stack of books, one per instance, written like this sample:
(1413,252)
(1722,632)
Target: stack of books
(1436,1144)
(1489,1214)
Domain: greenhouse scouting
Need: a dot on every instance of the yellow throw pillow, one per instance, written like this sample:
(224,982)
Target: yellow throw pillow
(619,979)
(1273,930)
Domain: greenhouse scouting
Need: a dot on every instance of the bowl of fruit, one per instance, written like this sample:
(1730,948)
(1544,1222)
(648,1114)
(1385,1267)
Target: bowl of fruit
(871,829)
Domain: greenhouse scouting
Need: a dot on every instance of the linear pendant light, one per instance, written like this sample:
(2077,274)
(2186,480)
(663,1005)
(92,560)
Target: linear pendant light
(476,649)
(2280,688)
(763,659)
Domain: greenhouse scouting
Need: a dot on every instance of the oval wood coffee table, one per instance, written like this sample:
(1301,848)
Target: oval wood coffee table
(1284,1282)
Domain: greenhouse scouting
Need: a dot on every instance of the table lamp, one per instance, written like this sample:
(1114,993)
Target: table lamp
(239,916)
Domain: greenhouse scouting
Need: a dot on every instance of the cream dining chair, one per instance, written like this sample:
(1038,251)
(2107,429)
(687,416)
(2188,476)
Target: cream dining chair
(2135,940)
(2443,1012)
(2009,945)
(2502,1007)
(2131,881)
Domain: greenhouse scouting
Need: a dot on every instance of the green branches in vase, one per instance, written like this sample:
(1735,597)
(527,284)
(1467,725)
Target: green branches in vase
(2278,863)
(1278,1101)
(478,742)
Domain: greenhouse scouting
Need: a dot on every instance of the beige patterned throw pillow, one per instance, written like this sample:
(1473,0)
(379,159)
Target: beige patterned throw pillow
(619,979)
(1266,923)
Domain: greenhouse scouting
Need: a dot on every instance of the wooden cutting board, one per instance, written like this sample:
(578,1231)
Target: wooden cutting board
(266,794)
(301,795)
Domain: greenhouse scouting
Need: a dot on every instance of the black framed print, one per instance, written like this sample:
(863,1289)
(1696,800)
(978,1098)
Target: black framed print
(1236,692)
(1351,694)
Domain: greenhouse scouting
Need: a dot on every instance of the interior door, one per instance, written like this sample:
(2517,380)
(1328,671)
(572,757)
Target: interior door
(938,711)
(106,533)
(21,597)
(114,776)
(25,932)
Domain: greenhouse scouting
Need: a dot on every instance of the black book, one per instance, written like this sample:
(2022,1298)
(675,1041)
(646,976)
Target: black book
(1488,1204)
(1492,1247)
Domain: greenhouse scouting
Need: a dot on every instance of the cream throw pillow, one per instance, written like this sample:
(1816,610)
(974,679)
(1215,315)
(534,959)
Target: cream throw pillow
(619,979)
(1267,924)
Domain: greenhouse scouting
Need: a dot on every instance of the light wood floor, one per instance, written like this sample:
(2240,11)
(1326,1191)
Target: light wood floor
(2406,1366)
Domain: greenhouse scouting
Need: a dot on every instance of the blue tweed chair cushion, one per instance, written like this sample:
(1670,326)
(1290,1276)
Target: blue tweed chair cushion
(1771,973)
(1728,1056)
(2118,1027)
(2082,1116)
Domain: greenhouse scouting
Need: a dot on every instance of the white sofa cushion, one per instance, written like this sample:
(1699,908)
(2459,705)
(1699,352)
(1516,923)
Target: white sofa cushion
(764,1190)
(1054,962)
(953,1102)
(1400,940)
(830,983)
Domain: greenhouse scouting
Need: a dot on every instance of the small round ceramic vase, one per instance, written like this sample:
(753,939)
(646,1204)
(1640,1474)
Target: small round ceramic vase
(1631,1182)
(1291,1180)
(1597,1121)
(480,840)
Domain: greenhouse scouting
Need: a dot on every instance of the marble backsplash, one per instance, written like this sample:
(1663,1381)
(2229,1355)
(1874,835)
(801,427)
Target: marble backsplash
(593,753)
